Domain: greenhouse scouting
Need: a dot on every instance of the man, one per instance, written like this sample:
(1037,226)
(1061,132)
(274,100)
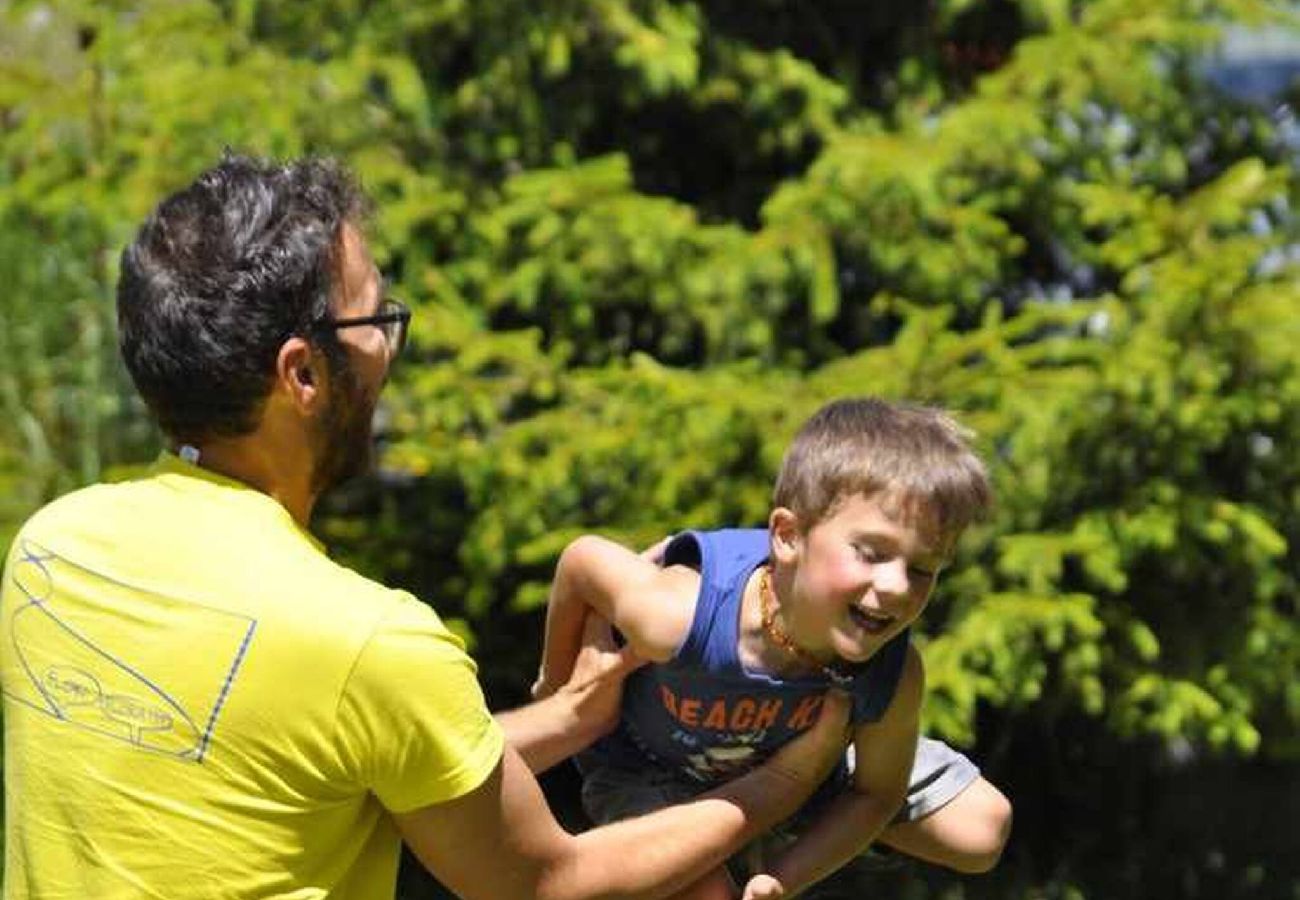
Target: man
(199,703)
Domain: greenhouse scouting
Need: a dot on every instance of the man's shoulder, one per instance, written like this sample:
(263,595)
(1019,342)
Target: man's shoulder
(67,510)
(90,496)
(166,537)
(344,601)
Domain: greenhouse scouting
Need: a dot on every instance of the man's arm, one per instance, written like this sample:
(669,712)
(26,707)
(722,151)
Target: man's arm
(501,841)
(585,708)
(885,750)
(651,606)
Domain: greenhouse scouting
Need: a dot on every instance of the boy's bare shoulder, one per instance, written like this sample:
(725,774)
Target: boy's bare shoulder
(659,620)
(680,580)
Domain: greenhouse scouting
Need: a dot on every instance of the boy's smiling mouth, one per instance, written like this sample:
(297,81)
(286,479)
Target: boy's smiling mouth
(870,621)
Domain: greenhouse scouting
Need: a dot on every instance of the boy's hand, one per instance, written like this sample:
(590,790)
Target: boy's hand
(763,887)
(596,684)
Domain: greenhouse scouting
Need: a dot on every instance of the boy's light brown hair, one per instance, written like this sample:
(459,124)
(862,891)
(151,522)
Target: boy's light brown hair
(916,459)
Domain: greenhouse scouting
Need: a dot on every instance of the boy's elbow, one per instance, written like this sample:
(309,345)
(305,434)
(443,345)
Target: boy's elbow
(578,561)
(578,551)
(1000,831)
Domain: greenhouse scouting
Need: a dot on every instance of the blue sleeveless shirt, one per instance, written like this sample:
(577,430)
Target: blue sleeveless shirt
(703,713)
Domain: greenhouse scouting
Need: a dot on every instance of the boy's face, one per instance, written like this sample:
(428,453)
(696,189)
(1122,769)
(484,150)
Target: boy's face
(855,579)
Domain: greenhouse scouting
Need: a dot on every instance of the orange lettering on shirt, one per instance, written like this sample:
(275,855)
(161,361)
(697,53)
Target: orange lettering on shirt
(690,711)
(742,717)
(670,701)
(805,713)
(717,717)
(767,713)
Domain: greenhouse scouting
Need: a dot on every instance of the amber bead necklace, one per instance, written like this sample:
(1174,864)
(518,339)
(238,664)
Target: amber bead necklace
(777,635)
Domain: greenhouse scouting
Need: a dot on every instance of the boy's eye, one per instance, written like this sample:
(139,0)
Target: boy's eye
(866,554)
(921,574)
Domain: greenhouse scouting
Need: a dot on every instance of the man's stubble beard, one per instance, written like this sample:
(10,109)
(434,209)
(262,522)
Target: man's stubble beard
(344,433)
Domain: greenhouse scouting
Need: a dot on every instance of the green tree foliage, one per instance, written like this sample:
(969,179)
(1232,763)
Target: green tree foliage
(646,238)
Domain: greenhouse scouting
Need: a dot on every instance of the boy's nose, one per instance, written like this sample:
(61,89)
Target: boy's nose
(890,578)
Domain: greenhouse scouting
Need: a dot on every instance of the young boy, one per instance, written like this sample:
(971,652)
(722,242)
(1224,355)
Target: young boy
(745,630)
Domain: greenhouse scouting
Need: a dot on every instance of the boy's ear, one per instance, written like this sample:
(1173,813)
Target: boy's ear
(787,538)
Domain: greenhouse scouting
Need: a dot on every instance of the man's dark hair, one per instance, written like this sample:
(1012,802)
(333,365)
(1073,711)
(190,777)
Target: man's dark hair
(219,276)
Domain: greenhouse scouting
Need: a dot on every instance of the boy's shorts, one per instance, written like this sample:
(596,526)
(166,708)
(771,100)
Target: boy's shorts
(612,792)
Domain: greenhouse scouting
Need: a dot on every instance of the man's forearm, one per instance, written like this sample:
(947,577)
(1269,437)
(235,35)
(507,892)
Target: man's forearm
(547,731)
(658,854)
(500,840)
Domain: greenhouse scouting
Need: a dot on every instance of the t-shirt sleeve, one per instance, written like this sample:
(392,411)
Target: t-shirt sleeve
(413,725)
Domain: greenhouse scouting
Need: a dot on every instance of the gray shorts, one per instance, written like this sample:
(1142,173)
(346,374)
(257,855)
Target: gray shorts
(612,792)
(939,773)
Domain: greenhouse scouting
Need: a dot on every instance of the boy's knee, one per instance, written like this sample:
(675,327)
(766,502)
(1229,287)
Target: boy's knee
(986,836)
(967,834)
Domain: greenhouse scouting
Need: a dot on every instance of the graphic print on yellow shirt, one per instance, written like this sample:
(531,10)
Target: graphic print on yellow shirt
(83,668)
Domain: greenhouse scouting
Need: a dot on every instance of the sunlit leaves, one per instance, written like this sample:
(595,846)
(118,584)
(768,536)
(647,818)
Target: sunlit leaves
(645,239)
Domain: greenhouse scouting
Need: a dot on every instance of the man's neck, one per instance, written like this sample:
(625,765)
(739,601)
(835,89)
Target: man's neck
(257,462)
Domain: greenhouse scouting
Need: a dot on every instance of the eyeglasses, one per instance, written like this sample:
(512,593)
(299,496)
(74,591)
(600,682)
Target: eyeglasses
(393,319)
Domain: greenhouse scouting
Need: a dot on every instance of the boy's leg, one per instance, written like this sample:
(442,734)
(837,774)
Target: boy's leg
(952,817)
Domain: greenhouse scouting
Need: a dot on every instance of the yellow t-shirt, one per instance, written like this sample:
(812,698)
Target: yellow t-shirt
(199,703)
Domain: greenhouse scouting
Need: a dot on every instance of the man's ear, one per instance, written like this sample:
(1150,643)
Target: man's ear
(787,538)
(300,374)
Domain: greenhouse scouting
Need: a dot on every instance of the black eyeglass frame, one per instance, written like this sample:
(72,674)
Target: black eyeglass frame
(391,311)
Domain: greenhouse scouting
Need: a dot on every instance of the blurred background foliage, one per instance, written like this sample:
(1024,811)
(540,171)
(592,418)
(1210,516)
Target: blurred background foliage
(645,239)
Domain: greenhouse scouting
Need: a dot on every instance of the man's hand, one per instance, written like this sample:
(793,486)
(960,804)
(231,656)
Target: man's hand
(596,685)
(566,719)
(601,664)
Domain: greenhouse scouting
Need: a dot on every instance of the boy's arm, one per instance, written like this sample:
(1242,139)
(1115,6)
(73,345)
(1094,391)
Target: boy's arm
(884,752)
(651,606)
